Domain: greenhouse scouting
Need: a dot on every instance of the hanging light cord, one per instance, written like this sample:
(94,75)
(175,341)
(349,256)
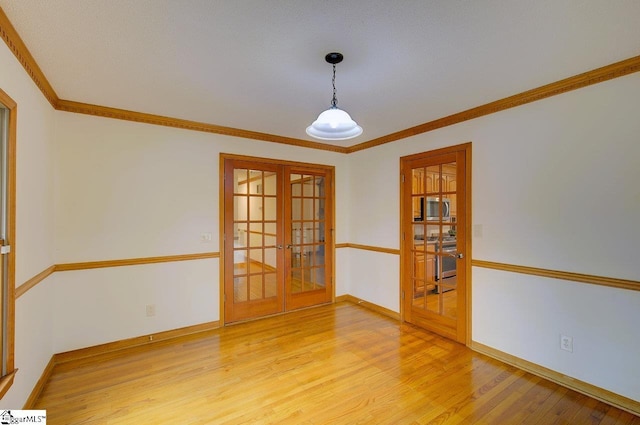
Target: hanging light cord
(334,101)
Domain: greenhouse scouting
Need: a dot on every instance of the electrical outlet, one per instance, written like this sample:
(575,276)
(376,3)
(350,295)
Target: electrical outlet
(151,310)
(205,237)
(566,343)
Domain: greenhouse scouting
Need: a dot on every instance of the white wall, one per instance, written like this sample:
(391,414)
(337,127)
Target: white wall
(92,307)
(34,226)
(130,190)
(555,185)
(96,189)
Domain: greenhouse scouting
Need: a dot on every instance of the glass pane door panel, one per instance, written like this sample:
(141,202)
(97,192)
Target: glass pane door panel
(255,181)
(270,285)
(308,186)
(240,261)
(433,301)
(270,206)
(319,277)
(270,233)
(270,184)
(281,223)
(316,256)
(254,224)
(255,208)
(255,260)
(296,185)
(434,213)
(308,232)
(240,289)
(433,263)
(296,209)
(240,207)
(449,177)
(308,209)
(240,180)
(418,233)
(270,259)
(256,290)
(418,179)
(453,203)
(255,234)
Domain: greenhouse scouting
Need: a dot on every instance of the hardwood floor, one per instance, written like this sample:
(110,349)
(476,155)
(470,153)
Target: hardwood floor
(335,364)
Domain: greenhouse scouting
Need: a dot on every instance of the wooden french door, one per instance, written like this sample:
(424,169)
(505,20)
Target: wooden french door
(435,214)
(278,247)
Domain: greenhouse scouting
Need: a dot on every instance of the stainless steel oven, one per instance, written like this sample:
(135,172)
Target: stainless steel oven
(446,264)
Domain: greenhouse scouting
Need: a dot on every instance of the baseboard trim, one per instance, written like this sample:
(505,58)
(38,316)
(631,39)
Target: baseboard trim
(371,306)
(37,389)
(88,353)
(113,347)
(585,388)
(138,341)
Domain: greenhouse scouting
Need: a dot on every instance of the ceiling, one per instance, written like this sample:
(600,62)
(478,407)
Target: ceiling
(259,65)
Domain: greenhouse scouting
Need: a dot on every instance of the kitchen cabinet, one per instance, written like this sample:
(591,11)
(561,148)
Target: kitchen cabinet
(428,181)
(424,269)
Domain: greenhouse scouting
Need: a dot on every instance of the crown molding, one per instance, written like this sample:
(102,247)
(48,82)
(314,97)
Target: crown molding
(609,72)
(123,114)
(21,52)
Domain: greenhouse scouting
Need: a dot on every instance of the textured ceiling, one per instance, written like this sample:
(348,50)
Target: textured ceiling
(259,65)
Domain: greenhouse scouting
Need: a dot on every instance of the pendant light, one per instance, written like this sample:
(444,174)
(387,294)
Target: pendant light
(334,123)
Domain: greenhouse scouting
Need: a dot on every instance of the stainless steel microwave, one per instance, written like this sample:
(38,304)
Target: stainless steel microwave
(430,209)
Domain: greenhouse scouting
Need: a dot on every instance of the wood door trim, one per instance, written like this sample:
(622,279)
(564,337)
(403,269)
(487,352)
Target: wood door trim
(265,305)
(294,167)
(10,237)
(464,203)
(247,158)
(311,298)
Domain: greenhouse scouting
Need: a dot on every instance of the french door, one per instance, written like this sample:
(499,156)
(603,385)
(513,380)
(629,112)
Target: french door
(435,214)
(278,246)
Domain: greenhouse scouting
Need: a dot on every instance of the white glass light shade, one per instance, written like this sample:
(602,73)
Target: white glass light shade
(334,124)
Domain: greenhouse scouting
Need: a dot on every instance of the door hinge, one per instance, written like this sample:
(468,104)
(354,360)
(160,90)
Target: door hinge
(5,249)
(402,295)
(402,177)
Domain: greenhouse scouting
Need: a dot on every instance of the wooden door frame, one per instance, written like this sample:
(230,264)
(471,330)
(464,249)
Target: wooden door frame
(466,149)
(6,381)
(221,219)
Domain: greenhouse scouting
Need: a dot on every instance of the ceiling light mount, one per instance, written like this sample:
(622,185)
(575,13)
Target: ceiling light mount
(334,123)
(334,58)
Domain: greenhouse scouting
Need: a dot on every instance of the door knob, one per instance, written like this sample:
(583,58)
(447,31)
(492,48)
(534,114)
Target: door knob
(279,246)
(460,255)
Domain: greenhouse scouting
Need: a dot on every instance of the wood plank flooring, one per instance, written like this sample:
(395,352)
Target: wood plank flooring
(335,364)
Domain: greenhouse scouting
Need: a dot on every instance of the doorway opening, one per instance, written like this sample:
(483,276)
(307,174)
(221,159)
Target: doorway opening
(436,241)
(277,243)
